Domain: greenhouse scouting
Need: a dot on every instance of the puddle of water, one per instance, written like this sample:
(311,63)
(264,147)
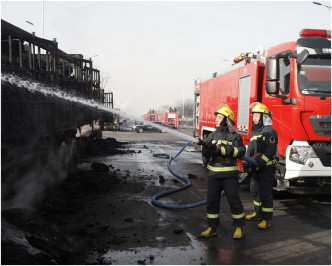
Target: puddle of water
(195,253)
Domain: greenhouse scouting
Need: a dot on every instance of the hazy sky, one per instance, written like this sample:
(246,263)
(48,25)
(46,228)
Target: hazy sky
(153,50)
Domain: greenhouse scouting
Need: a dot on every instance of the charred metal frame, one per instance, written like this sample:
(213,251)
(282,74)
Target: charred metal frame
(40,60)
(26,54)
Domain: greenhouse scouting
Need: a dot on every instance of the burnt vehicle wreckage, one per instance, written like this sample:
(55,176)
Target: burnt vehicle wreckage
(41,135)
(34,121)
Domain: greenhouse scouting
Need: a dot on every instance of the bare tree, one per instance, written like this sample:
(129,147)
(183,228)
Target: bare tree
(185,108)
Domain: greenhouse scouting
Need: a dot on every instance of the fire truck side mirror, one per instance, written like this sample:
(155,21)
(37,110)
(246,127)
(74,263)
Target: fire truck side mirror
(272,81)
(272,88)
(302,57)
(272,69)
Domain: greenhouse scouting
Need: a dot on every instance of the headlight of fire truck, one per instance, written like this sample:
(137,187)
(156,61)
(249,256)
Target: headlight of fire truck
(300,154)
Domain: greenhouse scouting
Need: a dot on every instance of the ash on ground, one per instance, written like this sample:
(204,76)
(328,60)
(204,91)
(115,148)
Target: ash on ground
(73,217)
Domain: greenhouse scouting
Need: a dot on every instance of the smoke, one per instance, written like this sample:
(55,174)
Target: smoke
(26,186)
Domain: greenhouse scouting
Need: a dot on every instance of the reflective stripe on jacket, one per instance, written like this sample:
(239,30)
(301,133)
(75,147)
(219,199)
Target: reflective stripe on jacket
(223,137)
(263,144)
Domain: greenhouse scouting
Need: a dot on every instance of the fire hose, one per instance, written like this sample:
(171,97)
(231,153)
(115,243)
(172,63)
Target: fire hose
(187,182)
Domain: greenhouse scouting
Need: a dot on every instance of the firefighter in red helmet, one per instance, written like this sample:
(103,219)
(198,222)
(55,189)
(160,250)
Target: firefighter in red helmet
(262,147)
(222,147)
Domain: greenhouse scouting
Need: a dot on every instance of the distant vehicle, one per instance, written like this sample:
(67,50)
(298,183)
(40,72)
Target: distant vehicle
(151,116)
(148,127)
(127,125)
(170,118)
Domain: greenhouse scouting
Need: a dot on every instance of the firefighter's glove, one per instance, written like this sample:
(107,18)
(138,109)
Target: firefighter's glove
(201,142)
(260,163)
(214,147)
(247,169)
(226,150)
(229,151)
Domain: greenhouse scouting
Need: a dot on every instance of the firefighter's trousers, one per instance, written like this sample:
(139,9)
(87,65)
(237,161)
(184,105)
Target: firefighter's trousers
(230,185)
(261,188)
(254,192)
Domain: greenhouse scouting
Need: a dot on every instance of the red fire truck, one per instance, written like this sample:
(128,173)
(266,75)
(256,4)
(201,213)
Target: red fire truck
(293,80)
(151,116)
(170,118)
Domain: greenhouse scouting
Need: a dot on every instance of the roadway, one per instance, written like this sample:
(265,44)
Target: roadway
(141,233)
(102,214)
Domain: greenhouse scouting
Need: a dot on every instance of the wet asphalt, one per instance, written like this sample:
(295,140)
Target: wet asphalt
(103,214)
(300,232)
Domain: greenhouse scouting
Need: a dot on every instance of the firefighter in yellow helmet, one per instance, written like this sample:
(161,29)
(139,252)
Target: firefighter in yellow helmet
(221,148)
(262,147)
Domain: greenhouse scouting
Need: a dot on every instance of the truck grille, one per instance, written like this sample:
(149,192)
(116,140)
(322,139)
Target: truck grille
(323,151)
(321,125)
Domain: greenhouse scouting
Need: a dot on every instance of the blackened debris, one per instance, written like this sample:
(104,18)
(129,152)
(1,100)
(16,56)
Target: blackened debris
(161,179)
(192,176)
(178,231)
(141,262)
(99,167)
(107,146)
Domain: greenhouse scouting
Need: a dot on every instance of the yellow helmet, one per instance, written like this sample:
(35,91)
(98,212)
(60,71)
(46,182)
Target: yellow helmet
(224,109)
(257,107)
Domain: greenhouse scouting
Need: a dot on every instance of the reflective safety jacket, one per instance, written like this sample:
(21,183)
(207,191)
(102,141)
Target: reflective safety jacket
(218,161)
(263,146)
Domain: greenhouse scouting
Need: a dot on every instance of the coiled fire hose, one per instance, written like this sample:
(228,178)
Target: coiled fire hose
(187,182)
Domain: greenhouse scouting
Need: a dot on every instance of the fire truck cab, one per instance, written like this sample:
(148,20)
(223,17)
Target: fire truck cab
(293,80)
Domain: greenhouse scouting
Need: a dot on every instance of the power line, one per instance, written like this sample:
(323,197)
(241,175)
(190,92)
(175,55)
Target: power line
(320,4)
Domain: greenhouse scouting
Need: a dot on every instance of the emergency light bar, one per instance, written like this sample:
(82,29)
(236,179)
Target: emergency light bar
(314,32)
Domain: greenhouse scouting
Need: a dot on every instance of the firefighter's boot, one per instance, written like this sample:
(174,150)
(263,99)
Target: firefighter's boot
(265,224)
(253,217)
(210,231)
(239,233)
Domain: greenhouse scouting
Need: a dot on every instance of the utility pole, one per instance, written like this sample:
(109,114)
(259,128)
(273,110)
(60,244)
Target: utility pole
(183,103)
(43,18)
